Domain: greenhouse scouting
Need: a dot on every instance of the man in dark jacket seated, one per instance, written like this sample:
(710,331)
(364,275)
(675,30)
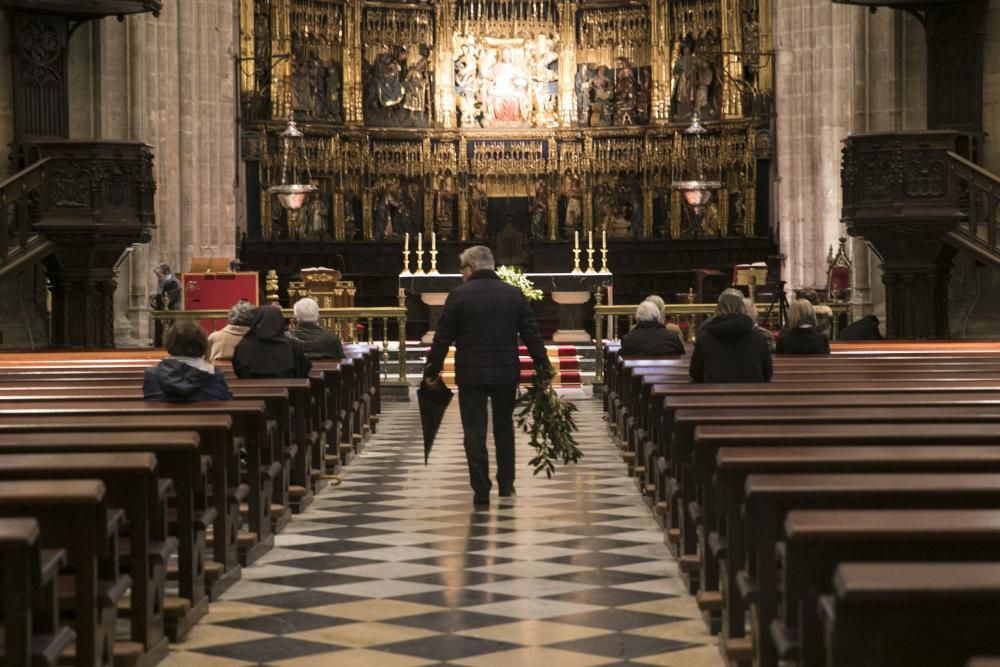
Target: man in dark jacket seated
(727,349)
(316,342)
(864,329)
(483,317)
(649,337)
(185,375)
(802,336)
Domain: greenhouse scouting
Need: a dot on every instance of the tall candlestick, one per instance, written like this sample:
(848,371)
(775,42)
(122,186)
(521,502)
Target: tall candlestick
(590,251)
(406,256)
(604,252)
(576,252)
(420,255)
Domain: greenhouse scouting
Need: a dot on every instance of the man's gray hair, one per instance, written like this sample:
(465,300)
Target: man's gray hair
(241,314)
(648,312)
(730,302)
(306,311)
(479,257)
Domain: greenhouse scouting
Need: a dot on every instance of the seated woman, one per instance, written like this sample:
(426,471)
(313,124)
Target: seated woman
(223,342)
(728,349)
(185,375)
(801,337)
(648,336)
(750,308)
(864,329)
(265,351)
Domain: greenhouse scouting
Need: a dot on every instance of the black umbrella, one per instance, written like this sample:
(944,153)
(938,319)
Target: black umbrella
(433,401)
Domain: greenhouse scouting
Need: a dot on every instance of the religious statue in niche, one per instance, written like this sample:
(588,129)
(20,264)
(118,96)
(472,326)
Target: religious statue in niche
(351,214)
(397,84)
(696,86)
(603,204)
(478,204)
(394,213)
(613,95)
(538,207)
(444,206)
(571,195)
(506,82)
(315,83)
(314,218)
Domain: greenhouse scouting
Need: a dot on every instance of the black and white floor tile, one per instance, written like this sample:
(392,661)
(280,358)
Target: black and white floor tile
(394,568)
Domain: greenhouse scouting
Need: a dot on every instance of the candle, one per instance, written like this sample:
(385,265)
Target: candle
(406,244)
(434,240)
(604,239)
(576,240)
(590,239)
(420,243)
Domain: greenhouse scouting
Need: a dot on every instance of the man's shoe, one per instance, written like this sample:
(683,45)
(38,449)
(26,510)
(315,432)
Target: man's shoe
(507,493)
(481,502)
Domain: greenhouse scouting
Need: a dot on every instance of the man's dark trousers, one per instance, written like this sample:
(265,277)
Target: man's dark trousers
(472,404)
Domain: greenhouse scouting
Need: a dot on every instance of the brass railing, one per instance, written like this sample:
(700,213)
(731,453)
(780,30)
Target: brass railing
(350,316)
(608,318)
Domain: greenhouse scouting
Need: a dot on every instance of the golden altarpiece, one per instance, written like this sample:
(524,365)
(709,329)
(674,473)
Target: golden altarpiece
(511,122)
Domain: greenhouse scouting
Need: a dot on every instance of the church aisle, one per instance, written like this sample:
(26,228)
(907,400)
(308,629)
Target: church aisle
(394,569)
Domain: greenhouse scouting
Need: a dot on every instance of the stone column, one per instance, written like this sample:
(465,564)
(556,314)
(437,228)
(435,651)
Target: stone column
(813,103)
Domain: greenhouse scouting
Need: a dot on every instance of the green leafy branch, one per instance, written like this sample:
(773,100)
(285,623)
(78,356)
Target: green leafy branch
(549,422)
(513,275)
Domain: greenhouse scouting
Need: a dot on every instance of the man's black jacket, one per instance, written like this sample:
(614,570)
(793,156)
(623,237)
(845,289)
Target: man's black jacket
(651,338)
(317,342)
(483,317)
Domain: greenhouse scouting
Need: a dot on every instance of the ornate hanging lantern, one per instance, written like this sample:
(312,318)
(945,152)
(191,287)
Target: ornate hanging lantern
(293,193)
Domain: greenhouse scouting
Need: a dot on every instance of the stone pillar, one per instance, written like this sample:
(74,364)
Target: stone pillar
(813,104)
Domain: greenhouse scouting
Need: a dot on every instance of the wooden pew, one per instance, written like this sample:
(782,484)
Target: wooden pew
(249,422)
(743,533)
(698,502)
(133,485)
(32,633)
(771,497)
(817,541)
(193,513)
(904,614)
(65,455)
(73,515)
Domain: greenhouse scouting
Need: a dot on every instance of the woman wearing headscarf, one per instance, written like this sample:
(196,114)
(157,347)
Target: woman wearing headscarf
(728,349)
(265,352)
(222,343)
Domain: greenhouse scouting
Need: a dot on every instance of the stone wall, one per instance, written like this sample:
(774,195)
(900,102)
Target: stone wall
(170,82)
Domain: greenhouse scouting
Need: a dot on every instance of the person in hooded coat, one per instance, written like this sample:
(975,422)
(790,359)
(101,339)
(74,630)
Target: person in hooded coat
(649,336)
(185,375)
(728,349)
(265,351)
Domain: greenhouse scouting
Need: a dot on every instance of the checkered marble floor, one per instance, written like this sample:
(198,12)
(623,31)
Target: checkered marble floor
(394,568)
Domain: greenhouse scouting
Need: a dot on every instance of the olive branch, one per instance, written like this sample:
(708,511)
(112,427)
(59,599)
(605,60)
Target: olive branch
(548,421)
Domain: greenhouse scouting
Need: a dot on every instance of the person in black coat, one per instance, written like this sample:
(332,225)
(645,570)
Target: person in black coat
(483,317)
(265,352)
(316,342)
(728,349)
(185,375)
(864,329)
(802,336)
(649,337)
